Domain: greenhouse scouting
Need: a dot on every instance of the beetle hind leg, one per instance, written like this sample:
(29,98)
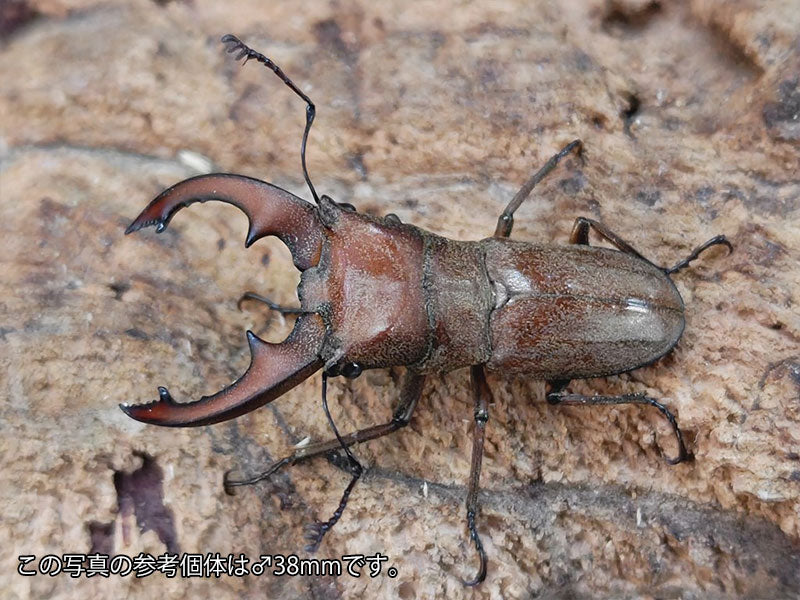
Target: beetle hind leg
(580,235)
(559,395)
(717,240)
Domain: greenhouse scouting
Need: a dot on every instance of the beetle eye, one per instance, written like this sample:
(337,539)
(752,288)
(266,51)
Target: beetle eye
(351,370)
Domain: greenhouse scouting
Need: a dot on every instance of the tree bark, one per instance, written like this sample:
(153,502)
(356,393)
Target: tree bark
(436,112)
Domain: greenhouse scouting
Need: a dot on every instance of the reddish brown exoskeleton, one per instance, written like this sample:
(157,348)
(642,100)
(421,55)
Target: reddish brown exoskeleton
(375,292)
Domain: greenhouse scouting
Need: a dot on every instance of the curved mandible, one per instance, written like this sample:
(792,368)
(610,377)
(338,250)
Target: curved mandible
(269,209)
(274,369)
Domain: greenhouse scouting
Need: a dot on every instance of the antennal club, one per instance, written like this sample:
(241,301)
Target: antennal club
(234,44)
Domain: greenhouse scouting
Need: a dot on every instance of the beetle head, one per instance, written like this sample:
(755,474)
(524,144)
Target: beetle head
(368,288)
(360,290)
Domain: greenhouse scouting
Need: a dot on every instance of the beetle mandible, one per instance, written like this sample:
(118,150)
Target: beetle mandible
(376,292)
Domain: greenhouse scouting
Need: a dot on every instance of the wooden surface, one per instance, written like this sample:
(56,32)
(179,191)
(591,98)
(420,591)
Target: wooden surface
(436,112)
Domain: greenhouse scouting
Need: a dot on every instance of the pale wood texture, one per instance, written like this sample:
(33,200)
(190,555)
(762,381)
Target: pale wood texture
(436,111)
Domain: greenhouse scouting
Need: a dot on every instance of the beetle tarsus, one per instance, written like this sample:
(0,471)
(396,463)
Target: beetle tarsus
(563,398)
(317,530)
(717,240)
(580,235)
(483,397)
(473,534)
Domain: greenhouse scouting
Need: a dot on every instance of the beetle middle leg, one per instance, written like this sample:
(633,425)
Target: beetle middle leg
(483,396)
(559,395)
(505,222)
(410,393)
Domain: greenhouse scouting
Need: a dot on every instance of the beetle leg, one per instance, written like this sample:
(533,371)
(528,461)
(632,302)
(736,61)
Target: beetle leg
(410,393)
(483,396)
(558,395)
(505,221)
(580,235)
(274,369)
(716,240)
(317,530)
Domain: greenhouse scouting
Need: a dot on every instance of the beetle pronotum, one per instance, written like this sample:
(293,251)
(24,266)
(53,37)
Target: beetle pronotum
(376,292)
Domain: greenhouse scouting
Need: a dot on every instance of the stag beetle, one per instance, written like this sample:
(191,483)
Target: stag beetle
(376,292)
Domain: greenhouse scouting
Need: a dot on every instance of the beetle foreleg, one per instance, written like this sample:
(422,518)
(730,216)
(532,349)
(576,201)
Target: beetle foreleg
(558,395)
(483,396)
(505,221)
(410,393)
(316,531)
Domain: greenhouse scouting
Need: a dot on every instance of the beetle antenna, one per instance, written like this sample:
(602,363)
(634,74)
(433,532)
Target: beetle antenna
(234,44)
(317,530)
